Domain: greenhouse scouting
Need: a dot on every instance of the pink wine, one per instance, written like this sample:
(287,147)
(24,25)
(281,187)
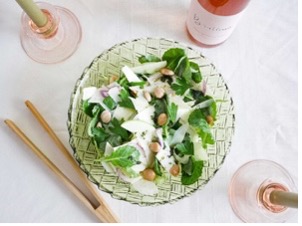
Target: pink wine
(211,22)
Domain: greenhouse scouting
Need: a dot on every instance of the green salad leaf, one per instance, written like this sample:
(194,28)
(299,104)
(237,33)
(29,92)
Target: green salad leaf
(180,86)
(191,171)
(198,121)
(125,156)
(148,58)
(196,74)
(125,100)
(172,56)
(109,102)
(186,147)
(172,112)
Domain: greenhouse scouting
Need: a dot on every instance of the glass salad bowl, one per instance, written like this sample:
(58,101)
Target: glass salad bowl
(100,72)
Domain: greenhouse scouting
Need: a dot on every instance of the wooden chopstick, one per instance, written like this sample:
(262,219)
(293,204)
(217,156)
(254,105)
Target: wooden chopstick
(52,166)
(103,211)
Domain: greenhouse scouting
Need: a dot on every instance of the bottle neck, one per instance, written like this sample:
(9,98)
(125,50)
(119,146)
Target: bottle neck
(224,7)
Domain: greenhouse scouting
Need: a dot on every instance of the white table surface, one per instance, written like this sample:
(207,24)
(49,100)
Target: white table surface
(259,63)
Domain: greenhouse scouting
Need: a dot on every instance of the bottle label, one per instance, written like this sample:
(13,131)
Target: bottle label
(208,28)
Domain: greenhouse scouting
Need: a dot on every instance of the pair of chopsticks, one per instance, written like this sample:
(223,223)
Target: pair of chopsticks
(102,211)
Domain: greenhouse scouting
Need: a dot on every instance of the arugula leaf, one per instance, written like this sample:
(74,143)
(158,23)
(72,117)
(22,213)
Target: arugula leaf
(198,121)
(109,102)
(115,128)
(172,112)
(140,84)
(196,74)
(124,157)
(125,100)
(94,122)
(157,168)
(183,69)
(148,58)
(160,106)
(191,171)
(172,56)
(122,81)
(99,134)
(186,147)
(89,108)
(198,96)
(180,86)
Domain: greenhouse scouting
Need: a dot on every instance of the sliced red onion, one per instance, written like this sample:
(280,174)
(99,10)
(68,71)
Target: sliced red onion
(104,92)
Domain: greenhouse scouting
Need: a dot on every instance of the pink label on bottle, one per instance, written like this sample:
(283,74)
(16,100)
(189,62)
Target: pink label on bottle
(208,28)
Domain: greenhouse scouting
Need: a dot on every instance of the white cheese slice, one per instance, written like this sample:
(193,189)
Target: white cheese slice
(167,161)
(130,75)
(149,68)
(114,94)
(146,115)
(137,126)
(88,92)
(199,152)
(122,113)
(139,103)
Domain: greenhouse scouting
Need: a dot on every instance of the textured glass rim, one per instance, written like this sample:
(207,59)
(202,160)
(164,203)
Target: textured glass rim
(81,164)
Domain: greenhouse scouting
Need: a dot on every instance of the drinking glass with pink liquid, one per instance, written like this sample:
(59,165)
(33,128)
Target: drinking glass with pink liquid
(262,191)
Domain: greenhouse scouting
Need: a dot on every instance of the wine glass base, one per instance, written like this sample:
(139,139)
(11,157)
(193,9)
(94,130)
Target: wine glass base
(57,48)
(245,191)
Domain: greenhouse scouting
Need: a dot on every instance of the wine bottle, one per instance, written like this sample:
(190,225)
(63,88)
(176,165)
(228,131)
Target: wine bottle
(211,22)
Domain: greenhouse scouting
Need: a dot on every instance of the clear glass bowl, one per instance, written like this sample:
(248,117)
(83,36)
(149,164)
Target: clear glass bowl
(109,63)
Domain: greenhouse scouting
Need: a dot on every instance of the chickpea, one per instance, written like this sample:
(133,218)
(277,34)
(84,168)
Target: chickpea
(159,92)
(175,170)
(148,174)
(162,119)
(154,147)
(210,120)
(147,96)
(106,116)
(166,72)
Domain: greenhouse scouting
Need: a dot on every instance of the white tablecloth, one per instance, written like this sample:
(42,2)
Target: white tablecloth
(258,62)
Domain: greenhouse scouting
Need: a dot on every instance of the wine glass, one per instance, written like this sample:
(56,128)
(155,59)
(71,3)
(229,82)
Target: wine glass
(54,42)
(253,190)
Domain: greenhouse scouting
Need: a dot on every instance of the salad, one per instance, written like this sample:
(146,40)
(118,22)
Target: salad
(153,121)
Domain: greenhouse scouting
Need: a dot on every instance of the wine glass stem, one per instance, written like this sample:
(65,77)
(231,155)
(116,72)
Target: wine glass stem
(283,198)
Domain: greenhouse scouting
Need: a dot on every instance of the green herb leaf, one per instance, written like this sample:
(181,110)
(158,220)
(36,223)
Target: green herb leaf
(148,58)
(125,100)
(124,157)
(191,171)
(157,168)
(94,121)
(99,134)
(140,84)
(183,69)
(89,108)
(172,56)
(172,112)
(160,106)
(109,102)
(198,122)
(196,74)
(115,128)
(186,147)
(180,86)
